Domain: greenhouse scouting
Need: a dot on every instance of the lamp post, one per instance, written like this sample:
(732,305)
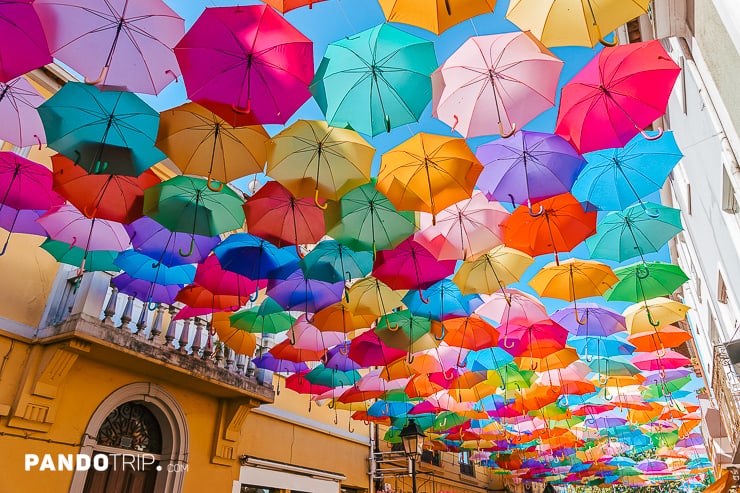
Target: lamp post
(413,445)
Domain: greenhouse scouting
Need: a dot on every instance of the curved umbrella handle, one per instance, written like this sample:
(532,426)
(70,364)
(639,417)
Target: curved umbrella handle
(441,337)
(253,297)
(234,308)
(461,363)
(642,271)
(173,74)
(583,320)
(38,139)
(662,372)
(506,342)
(211,187)
(411,358)
(589,358)
(100,78)
(533,365)
(423,300)
(535,214)
(242,110)
(151,306)
(343,350)
(291,336)
(321,206)
(190,252)
(608,397)
(609,44)
(660,353)
(652,322)
(336,418)
(331,404)
(349,423)
(387,120)
(86,211)
(652,137)
(394,328)
(504,134)
(447,6)
(451,377)
(156,265)
(603,378)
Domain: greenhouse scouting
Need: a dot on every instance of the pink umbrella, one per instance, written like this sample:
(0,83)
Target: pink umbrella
(246,64)
(25,184)
(501,81)
(463,230)
(512,306)
(372,381)
(368,350)
(303,335)
(21,122)
(24,45)
(126,44)
(653,361)
(67,224)
(410,266)
(214,278)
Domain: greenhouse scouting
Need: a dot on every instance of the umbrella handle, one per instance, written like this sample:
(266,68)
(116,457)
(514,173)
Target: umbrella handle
(535,214)
(589,358)
(349,426)
(643,273)
(253,297)
(461,363)
(583,320)
(316,201)
(343,349)
(387,120)
(211,187)
(654,323)
(151,306)
(411,358)
(393,329)
(173,74)
(87,212)
(506,343)
(291,336)
(423,300)
(454,125)
(452,375)
(190,252)
(447,6)
(660,353)
(38,139)
(441,337)
(504,134)
(533,365)
(652,137)
(242,110)
(609,44)
(603,379)
(298,251)
(100,79)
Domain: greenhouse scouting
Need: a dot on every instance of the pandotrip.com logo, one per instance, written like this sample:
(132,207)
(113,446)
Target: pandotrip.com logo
(98,462)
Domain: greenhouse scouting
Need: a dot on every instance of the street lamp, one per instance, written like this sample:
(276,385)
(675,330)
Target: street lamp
(413,445)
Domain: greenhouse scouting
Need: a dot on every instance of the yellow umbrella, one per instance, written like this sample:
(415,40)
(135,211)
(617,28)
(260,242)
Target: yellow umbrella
(492,271)
(312,159)
(434,15)
(428,173)
(573,22)
(653,314)
(241,341)
(372,297)
(201,143)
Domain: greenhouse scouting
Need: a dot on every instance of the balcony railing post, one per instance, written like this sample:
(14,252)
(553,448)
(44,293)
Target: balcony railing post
(128,312)
(142,323)
(169,337)
(208,349)
(184,336)
(229,354)
(157,324)
(219,356)
(198,337)
(110,308)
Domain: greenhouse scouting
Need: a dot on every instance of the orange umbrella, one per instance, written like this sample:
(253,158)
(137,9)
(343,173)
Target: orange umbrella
(666,337)
(471,332)
(241,341)
(339,318)
(559,226)
(434,15)
(284,6)
(285,350)
(421,386)
(428,173)
(553,361)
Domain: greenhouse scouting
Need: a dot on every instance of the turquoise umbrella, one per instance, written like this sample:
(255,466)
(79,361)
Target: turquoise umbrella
(328,377)
(330,261)
(635,231)
(376,80)
(108,132)
(97,260)
(642,281)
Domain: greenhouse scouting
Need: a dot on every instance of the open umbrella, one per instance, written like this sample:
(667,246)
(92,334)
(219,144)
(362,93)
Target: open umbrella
(653,314)
(255,257)
(65,223)
(375,80)
(287,5)
(141,266)
(19,221)
(107,132)
(492,271)
(304,335)
(620,92)
(428,173)
(495,84)
(372,297)
(312,159)
(599,321)
(268,318)
(146,291)
(665,337)
(25,184)
(642,281)
(240,341)
(247,64)
(96,260)
(273,213)
(369,350)
(153,239)
(21,121)
(219,281)
(298,292)
(440,301)
(330,261)
(201,143)
(24,46)
(512,306)
(410,266)
(434,15)
(569,23)
(364,219)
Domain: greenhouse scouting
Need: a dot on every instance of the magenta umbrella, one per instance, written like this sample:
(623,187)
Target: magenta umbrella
(25,184)
(410,266)
(368,350)
(24,45)
(654,361)
(463,230)
(21,121)
(126,44)
(215,279)
(67,224)
(246,64)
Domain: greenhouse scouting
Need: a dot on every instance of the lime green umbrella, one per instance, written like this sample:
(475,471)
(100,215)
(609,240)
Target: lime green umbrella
(511,377)
(645,280)
(664,438)
(187,205)
(268,318)
(657,391)
(97,260)
(364,219)
(376,80)
(448,419)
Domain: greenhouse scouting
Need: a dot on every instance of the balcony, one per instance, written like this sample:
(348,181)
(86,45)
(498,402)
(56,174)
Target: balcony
(124,332)
(725,440)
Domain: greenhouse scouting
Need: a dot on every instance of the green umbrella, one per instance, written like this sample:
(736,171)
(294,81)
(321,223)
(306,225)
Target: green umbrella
(402,329)
(664,438)
(107,132)
(187,205)
(657,391)
(328,377)
(645,280)
(364,219)
(634,232)
(376,80)
(268,318)
(448,419)
(69,254)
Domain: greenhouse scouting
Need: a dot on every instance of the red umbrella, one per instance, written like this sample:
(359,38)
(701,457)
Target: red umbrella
(114,197)
(274,214)
(368,350)
(195,296)
(559,227)
(298,383)
(286,351)
(619,93)
(536,340)
(24,45)
(246,64)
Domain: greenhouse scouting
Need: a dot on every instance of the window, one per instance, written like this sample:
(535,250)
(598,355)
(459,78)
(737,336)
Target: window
(432,457)
(729,199)
(721,289)
(466,466)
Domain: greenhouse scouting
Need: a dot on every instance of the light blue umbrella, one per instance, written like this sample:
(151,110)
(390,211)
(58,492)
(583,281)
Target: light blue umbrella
(440,301)
(141,266)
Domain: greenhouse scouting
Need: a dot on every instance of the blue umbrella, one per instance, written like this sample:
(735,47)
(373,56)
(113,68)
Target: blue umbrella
(616,178)
(440,301)
(140,266)
(487,359)
(254,257)
(382,408)
(600,346)
(152,239)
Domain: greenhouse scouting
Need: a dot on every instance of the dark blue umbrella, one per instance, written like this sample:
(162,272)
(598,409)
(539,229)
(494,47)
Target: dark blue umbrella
(297,292)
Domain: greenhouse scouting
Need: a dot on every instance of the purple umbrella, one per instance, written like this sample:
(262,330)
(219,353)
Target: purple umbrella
(649,465)
(151,238)
(67,224)
(24,45)
(528,167)
(21,121)
(19,221)
(659,377)
(308,295)
(337,358)
(146,291)
(268,362)
(600,321)
(692,440)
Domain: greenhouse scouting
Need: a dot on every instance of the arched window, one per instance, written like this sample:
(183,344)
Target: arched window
(131,426)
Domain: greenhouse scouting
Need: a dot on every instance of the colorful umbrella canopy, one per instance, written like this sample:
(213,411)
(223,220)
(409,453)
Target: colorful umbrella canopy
(665,337)
(120,43)
(140,266)
(19,221)
(25,47)
(364,219)
(569,23)
(273,213)
(247,64)
(146,291)
(153,239)
(330,261)
(410,266)
(25,184)
(369,350)
(21,121)
(669,360)
(500,81)
(441,300)
(65,223)
(528,167)
(254,257)
(534,340)
(599,321)
(372,297)
(200,142)
(375,80)
(653,314)
(304,335)
(298,292)
(598,108)
(403,330)
(108,132)
(428,173)
(642,281)
(312,159)
(216,279)
(492,271)
(434,15)
(287,5)
(97,260)
(512,305)
(268,318)
(114,197)
(240,341)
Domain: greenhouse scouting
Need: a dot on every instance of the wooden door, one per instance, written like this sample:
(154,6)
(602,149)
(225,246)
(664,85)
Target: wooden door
(120,479)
